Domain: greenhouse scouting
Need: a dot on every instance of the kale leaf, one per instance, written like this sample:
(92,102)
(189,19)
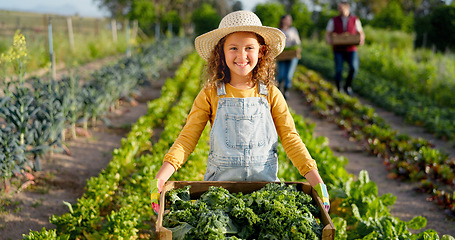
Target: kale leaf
(277,211)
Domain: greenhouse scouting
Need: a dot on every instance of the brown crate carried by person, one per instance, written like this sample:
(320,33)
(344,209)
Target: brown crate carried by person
(199,187)
(345,38)
(289,54)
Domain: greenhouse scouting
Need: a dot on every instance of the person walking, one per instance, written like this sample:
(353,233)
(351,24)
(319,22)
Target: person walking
(286,68)
(345,22)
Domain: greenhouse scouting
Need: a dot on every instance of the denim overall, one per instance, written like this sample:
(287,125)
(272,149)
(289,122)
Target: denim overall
(243,140)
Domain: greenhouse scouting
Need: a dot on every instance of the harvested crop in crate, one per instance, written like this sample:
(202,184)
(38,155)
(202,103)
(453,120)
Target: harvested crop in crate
(276,211)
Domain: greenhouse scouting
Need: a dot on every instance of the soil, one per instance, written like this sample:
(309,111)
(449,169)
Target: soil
(29,205)
(409,203)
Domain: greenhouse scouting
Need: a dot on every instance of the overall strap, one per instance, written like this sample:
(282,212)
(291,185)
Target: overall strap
(221,90)
(263,89)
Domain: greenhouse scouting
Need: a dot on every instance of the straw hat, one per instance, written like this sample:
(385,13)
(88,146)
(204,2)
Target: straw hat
(236,22)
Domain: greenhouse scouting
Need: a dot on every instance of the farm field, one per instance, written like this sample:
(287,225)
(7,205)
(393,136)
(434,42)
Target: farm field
(25,214)
(78,152)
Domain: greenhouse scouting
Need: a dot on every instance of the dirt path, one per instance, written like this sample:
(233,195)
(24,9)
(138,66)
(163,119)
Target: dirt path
(64,176)
(409,203)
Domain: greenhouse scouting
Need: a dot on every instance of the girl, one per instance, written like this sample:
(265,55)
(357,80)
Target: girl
(246,110)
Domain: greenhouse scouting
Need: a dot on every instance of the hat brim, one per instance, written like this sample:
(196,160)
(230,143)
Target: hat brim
(273,37)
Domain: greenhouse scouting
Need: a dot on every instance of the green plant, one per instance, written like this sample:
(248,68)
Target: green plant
(205,19)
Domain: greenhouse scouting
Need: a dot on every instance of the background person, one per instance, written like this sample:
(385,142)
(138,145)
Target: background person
(286,68)
(345,22)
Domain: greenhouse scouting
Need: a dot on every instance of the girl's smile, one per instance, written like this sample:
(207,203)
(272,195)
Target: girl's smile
(241,51)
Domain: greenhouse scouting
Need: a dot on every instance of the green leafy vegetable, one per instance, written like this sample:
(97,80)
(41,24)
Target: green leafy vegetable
(277,211)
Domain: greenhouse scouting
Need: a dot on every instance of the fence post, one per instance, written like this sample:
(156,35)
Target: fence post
(51,49)
(97,27)
(134,32)
(18,23)
(70,33)
(169,29)
(157,30)
(114,30)
(127,32)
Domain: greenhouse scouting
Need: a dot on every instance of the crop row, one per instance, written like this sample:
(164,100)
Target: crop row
(116,204)
(35,114)
(406,157)
(399,94)
(357,211)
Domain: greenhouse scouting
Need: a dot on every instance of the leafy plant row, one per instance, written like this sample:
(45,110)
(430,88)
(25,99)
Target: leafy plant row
(116,203)
(398,96)
(406,157)
(34,119)
(359,212)
(356,209)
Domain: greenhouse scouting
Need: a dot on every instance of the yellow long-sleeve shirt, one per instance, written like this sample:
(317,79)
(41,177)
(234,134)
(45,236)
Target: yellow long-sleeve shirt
(204,109)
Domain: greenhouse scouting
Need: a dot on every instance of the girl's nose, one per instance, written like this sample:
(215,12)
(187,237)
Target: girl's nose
(242,53)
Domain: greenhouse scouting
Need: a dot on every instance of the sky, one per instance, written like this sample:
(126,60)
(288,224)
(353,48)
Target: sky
(85,8)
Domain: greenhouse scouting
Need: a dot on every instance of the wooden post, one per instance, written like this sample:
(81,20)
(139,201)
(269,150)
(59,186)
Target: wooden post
(18,23)
(51,49)
(70,33)
(157,30)
(169,29)
(127,33)
(97,27)
(114,30)
(134,32)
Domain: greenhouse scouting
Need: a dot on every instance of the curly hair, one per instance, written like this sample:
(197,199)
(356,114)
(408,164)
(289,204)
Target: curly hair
(217,70)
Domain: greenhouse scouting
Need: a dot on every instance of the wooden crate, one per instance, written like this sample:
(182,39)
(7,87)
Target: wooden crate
(345,39)
(199,187)
(288,54)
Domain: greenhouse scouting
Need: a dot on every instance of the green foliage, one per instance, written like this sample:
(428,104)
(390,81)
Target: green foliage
(13,156)
(392,17)
(45,235)
(144,12)
(321,21)
(407,157)
(390,39)
(277,211)
(205,19)
(442,31)
(171,18)
(302,19)
(270,13)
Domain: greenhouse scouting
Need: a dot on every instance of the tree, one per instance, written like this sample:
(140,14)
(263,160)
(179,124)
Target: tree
(289,4)
(237,6)
(205,19)
(144,12)
(302,19)
(171,18)
(392,17)
(442,28)
(270,13)
(117,8)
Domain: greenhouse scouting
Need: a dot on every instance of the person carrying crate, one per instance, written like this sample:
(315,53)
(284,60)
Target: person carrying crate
(344,32)
(288,64)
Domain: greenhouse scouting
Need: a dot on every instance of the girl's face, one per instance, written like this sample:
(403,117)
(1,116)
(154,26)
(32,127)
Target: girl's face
(241,51)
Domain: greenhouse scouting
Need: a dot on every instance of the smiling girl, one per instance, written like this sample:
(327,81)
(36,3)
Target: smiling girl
(246,110)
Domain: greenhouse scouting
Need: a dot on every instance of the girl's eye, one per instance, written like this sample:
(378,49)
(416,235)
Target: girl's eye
(233,48)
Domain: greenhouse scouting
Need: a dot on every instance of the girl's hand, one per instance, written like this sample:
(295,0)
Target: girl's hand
(155,190)
(321,189)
